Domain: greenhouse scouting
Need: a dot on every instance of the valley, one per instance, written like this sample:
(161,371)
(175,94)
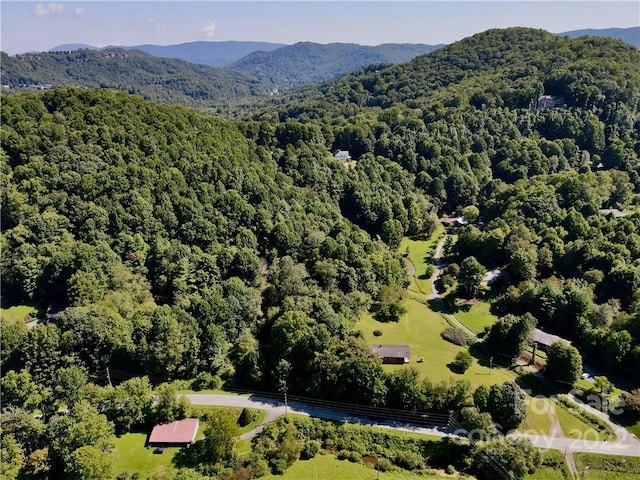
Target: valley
(163,262)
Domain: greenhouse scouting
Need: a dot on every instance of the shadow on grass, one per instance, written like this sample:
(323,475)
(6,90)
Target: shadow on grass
(455,368)
(537,384)
(191,457)
(485,358)
(437,305)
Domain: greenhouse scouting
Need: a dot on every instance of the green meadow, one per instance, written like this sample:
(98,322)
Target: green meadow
(420,328)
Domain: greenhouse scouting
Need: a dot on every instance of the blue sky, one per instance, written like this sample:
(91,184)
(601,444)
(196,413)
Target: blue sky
(36,26)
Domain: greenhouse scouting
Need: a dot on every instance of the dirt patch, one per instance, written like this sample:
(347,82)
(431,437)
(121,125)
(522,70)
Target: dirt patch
(370,460)
(470,301)
(525,360)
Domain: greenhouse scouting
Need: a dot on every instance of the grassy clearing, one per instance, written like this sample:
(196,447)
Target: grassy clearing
(328,467)
(420,255)
(131,456)
(17,314)
(573,427)
(420,328)
(635,428)
(553,467)
(476,317)
(545,473)
(539,418)
(607,467)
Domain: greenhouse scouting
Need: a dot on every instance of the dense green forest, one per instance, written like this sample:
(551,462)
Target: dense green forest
(179,245)
(307,62)
(163,80)
(465,122)
(192,80)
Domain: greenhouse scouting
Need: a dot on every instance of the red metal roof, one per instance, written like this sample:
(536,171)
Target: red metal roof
(180,431)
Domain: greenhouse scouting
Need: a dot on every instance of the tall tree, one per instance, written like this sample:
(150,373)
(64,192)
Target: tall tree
(510,335)
(90,463)
(564,363)
(470,275)
(219,437)
(507,406)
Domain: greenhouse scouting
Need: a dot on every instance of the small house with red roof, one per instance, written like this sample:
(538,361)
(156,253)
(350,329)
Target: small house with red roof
(179,433)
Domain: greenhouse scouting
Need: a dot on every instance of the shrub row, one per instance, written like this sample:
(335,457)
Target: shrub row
(457,336)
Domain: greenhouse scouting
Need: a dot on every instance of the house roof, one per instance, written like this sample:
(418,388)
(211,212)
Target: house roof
(547,339)
(391,351)
(179,431)
(612,211)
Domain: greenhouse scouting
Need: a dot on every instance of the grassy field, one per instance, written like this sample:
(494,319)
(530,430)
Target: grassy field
(574,427)
(476,317)
(635,429)
(545,473)
(420,328)
(420,255)
(131,456)
(328,467)
(553,467)
(539,418)
(607,467)
(16,314)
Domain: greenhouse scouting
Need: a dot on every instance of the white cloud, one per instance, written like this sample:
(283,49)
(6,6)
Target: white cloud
(209,29)
(160,29)
(41,10)
(79,11)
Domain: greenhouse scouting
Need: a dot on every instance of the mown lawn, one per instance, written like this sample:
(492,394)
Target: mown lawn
(607,467)
(131,456)
(545,473)
(17,314)
(574,427)
(635,429)
(476,317)
(553,467)
(328,467)
(420,255)
(420,328)
(538,420)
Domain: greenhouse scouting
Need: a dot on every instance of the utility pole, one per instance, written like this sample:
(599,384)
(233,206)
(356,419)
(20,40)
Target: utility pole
(109,377)
(285,400)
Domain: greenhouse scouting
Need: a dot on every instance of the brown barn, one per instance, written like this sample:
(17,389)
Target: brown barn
(391,354)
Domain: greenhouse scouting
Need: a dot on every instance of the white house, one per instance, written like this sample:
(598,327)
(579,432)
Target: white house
(342,155)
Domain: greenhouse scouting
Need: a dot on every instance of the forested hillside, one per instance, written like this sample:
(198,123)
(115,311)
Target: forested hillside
(306,63)
(465,122)
(159,227)
(178,245)
(157,79)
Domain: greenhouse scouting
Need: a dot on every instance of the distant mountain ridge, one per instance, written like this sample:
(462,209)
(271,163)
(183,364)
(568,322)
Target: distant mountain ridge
(306,62)
(284,65)
(162,80)
(214,54)
(628,35)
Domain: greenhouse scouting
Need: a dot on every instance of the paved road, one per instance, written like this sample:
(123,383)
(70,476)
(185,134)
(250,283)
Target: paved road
(275,409)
